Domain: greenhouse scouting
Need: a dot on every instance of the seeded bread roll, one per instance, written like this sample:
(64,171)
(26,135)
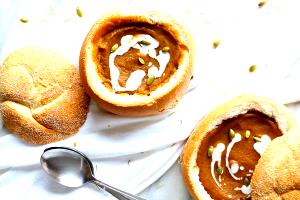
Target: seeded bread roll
(214,129)
(122,63)
(42,98)
(277,174)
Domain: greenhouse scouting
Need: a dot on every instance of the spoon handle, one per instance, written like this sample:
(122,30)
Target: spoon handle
(119,194)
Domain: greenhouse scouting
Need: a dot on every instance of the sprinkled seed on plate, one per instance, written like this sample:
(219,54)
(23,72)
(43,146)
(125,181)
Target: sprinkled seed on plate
(79,11)
(23,20)
(246,181)
(141,60)
(210,151)
(252,68)
(150,80)
(220,170)
(144,42)
(231,133)
(257,139)
(216,43)
(165,49)
(261,4)
(114,48)
(247,134)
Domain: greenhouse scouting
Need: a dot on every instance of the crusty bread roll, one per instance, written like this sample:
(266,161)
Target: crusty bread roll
(42,98)
(115,63)
(241,122)
(277,174)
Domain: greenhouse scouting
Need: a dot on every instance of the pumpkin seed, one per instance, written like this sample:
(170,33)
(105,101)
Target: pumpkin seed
(216,43)
(246,182)
(257,139)
(165,49)
(252,68)
(24,20)
(247,134)
(79,12)
(150,80)
(114,48)
(144,42)
(141,60)
(261,4)
(220,170)
(231,133)
(210,151)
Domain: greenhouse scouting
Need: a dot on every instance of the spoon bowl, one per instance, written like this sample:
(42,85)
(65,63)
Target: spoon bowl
(72,168)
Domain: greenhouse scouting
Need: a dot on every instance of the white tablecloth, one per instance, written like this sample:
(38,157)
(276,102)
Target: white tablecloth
(131,153)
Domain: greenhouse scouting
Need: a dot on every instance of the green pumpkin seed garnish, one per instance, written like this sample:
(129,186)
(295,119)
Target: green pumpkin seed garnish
(247,134)
(141,60)
(150,80)
(246,181)
(216,43)
(23,20)
(257,139)
(210,151)
(165,49)
(79,12)
(144,42)
(252,68)
(114,48)
(231,133)
(220,170)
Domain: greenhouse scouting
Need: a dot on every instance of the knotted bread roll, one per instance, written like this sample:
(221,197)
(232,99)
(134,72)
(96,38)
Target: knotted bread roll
(41,96)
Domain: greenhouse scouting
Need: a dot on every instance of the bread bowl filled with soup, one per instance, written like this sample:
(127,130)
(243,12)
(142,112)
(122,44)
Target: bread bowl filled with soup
(136,64)
(221,155)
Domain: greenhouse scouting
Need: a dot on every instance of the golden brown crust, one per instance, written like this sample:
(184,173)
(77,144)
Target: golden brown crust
(277,174)
(230,109)
(161,99)
(42,98)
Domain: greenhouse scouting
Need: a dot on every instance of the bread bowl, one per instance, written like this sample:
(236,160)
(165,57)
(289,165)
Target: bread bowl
(41,96)
(136,64)
(219,157)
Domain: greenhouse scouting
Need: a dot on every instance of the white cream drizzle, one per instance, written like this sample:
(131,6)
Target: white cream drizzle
(136,77)
(260,146)
(234,140)
(134,80)
(234,167)
(216,157)
(244,189)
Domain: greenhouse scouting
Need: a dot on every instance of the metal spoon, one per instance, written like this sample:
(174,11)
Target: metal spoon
(72,168)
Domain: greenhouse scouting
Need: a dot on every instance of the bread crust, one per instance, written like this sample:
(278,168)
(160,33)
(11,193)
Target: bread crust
(160,100)
(277,174)
(42,98)
(230,109)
